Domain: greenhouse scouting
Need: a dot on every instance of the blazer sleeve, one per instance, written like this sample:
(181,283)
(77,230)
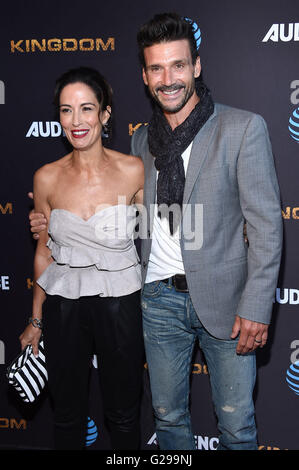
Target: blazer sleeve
(133,144)
(139,142)
(261,207)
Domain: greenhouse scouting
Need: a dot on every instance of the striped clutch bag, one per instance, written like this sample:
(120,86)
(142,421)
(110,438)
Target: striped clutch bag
(28,374)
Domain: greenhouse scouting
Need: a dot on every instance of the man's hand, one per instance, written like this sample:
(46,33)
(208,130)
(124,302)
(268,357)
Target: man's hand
(252,335)
(38,222)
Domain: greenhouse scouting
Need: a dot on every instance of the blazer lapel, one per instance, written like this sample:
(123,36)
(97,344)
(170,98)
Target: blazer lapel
(150,178)
(150,183)
(198,154)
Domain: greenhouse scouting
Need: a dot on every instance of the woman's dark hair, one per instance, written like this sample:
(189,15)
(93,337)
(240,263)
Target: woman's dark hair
(166,27)
(94,80)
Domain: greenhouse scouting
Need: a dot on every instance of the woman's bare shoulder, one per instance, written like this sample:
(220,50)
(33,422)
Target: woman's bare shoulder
(49,171)
(129,162)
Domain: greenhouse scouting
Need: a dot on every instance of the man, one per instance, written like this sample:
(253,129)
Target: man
(201,279)
(216,289)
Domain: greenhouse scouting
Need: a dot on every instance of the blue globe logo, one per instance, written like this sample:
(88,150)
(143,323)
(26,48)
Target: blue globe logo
(91,432)
(196,31)
(294,125)
(292,377)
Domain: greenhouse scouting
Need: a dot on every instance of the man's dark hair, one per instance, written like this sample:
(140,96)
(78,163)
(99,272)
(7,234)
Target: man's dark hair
(166,27)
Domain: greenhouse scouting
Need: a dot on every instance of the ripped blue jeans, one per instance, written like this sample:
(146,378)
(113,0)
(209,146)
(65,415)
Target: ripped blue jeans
(171,327)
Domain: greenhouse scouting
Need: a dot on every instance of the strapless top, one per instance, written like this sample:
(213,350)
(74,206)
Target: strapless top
(92,257)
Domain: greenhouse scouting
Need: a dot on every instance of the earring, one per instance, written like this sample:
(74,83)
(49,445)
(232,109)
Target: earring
(105,131)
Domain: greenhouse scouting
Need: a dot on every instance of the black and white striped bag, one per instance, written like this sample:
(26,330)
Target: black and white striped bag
(28,374)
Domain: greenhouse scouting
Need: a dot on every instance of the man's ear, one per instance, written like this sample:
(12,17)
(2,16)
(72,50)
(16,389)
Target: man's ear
(144,76)
(197,67)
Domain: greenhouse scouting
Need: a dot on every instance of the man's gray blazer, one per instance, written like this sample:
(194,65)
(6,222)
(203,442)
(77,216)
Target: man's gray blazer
(230,178)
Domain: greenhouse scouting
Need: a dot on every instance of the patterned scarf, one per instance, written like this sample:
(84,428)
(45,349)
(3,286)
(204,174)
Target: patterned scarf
(167,146)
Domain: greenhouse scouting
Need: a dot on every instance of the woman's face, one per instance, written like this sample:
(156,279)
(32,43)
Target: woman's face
(80,115)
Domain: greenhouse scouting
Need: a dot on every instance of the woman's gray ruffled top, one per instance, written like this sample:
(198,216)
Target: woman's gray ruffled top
(92,257)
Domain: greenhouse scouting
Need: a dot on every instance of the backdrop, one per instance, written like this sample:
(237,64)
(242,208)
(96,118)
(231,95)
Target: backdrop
(249,53)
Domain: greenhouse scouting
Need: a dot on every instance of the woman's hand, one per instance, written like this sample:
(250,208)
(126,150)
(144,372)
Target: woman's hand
(31,335)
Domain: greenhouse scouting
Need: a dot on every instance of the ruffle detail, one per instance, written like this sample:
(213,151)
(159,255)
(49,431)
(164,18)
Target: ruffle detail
(73,283)
(93,257)
(84,256)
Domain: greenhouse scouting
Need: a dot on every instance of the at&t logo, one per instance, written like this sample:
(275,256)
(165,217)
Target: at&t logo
(91,432)
(292,376)
(196,32)
(294,118)
(294,125)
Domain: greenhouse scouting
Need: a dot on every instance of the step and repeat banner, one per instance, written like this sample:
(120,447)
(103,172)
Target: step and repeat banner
(249,54)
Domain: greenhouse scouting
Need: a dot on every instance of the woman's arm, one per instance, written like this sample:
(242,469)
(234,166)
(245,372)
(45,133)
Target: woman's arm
(42,260)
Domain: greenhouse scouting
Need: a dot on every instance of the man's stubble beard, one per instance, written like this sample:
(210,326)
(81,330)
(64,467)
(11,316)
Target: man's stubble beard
(180,105)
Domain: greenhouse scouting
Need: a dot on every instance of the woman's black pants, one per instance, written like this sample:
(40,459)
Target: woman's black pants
(74,330)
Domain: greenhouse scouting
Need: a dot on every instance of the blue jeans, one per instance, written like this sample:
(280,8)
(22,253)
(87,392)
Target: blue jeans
(171,327)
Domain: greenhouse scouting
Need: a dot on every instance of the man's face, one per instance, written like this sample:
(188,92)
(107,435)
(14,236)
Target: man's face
(170,75)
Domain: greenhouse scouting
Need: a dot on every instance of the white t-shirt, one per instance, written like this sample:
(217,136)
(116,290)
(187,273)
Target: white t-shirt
(166,258)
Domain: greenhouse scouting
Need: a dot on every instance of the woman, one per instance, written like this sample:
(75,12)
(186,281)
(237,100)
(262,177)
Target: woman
(87,289)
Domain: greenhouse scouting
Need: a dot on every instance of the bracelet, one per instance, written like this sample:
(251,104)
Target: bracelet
(36,322)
